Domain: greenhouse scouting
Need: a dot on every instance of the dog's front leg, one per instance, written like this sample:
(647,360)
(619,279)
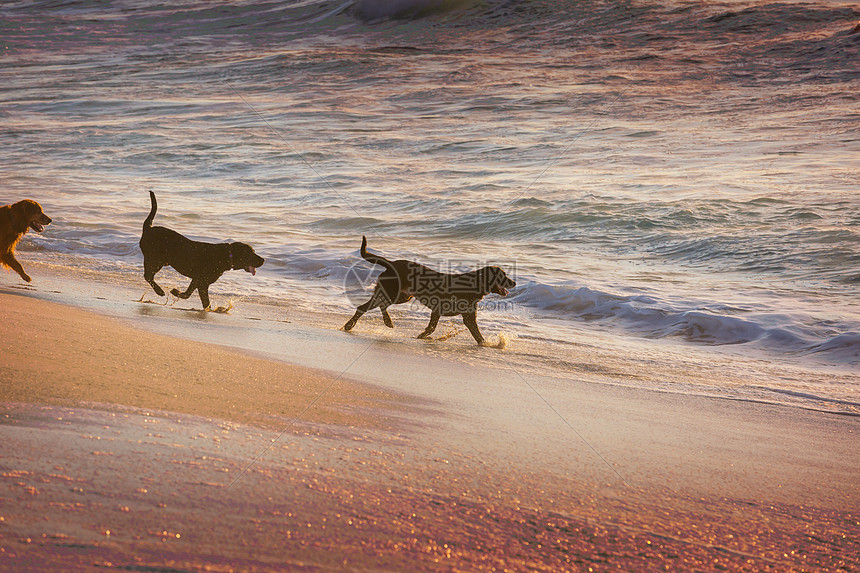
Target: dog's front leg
(434,320)
(13,263)
(377,299)
(470,319)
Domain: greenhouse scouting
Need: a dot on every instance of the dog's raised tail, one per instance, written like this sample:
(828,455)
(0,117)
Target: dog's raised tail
(147,223)
(375,259)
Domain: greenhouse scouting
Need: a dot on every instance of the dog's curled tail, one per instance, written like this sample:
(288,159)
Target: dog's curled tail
(147,223)
(375,259)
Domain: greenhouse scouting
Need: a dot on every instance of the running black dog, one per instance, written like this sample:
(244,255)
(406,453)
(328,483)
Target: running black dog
(443,294)
(203,263)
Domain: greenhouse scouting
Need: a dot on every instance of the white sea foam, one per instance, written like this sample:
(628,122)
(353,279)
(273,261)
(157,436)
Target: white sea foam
(655,318)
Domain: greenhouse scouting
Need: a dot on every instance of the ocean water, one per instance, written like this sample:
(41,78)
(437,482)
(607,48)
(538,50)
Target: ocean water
(674,179)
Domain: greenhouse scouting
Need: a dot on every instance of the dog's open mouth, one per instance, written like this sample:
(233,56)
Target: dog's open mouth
(251,270)
(36,226)
(502,291)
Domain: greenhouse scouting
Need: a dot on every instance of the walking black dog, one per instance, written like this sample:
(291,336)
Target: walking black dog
(203,263)
(444,294)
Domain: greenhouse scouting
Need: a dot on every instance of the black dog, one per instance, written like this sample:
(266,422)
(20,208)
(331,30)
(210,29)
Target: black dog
(443,294)
(204,263)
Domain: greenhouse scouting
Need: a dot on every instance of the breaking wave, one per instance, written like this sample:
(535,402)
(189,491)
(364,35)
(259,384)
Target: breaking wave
(650,317)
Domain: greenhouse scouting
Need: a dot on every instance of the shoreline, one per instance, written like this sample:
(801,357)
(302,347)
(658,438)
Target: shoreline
(408,460)
(293,334)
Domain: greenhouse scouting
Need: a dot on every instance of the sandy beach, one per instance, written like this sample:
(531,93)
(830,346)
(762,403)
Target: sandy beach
(127,449)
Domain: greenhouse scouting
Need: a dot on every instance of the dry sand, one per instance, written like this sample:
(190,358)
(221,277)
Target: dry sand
(127,450)
(54,354)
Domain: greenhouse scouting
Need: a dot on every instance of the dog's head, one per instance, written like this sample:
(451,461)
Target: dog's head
(29,215)
(243,257)
(496,281)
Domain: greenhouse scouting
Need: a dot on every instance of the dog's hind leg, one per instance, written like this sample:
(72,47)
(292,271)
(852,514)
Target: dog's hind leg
(434,320)
(471,322)
(380,299)
(149,271)
(358,312)
(351,322)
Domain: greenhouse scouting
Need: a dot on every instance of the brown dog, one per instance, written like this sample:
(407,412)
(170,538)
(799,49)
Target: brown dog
(15,221)
(444,294)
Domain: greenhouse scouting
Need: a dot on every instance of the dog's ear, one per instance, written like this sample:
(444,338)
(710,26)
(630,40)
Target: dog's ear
(21,212)
(30,208)
(487,277)
(496,274)
(501,278)
(506,280)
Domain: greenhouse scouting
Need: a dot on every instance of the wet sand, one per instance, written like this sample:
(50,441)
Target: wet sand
(130,450)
